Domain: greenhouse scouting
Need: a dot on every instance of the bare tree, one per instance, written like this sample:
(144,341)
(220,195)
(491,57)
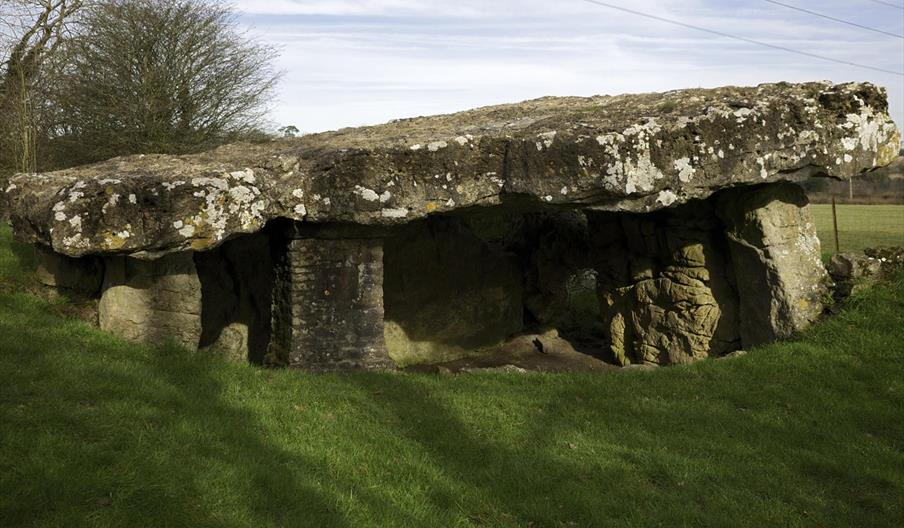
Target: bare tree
(31,31)
(161,76)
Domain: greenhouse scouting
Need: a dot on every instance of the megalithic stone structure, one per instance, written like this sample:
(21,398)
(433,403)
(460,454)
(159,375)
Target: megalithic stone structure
(435,237)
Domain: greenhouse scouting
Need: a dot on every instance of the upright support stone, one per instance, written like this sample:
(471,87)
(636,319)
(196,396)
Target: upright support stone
(782,284)
(79,275)
(236,290)
(329,303)
(152,301)
(665,289)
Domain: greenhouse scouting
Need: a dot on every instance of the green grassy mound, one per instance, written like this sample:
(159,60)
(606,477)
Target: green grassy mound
(98,432)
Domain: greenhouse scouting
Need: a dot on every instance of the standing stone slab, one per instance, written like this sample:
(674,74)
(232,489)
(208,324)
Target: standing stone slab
(330,304)
(79,275)
(665,289)
(775,252)
(152,301)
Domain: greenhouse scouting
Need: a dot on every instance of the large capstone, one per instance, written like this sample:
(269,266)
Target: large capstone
(636,153)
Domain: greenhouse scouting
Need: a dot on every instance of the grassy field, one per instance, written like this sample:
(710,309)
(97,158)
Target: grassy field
(98,432)
(860,226)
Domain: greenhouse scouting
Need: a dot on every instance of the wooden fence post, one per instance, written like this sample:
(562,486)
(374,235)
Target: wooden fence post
(835,225)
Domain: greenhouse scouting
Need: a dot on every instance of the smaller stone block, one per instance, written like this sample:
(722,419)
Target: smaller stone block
(853,272)
(152,301)
(78,275)
(335,304)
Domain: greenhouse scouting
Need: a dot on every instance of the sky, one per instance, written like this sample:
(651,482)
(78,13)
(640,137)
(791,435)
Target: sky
(359,62)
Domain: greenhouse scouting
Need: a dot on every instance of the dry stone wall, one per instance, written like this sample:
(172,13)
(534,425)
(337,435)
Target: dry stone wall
(329,307)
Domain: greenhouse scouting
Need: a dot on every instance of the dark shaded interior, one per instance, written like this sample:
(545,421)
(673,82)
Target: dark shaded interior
(623,287)
(655,288)
(236,291)
(446,285)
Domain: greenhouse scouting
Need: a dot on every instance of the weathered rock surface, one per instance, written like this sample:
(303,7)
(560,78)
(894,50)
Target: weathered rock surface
(236,292)
(776,256)
(544,352)
(853,271)
(620,153)
(666,292)
(328,301)
(82,276)
(447,293)
(154,301)
(552,247)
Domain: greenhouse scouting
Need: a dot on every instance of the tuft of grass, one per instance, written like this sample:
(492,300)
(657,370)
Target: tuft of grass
(98,432)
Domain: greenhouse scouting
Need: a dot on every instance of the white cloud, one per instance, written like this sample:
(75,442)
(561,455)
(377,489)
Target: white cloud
(353,62)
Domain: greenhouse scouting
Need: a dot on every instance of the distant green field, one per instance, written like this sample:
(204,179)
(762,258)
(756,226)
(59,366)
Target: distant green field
(860,226)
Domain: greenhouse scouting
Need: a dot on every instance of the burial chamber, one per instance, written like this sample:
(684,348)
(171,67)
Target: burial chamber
(664,228)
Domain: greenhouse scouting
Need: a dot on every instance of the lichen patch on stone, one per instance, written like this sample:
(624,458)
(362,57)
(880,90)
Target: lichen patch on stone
(368,194)
(685,169)
(545,139)
(666,198)
(399,212)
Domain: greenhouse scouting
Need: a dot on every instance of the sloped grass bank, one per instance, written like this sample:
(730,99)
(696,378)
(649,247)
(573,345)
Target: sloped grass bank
(98,432)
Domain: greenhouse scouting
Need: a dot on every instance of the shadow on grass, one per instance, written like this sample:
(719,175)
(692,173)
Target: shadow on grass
(725,443)
(136,437)
(98,432)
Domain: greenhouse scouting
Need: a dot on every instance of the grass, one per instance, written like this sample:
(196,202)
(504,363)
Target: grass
(98,432)
(859,226)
